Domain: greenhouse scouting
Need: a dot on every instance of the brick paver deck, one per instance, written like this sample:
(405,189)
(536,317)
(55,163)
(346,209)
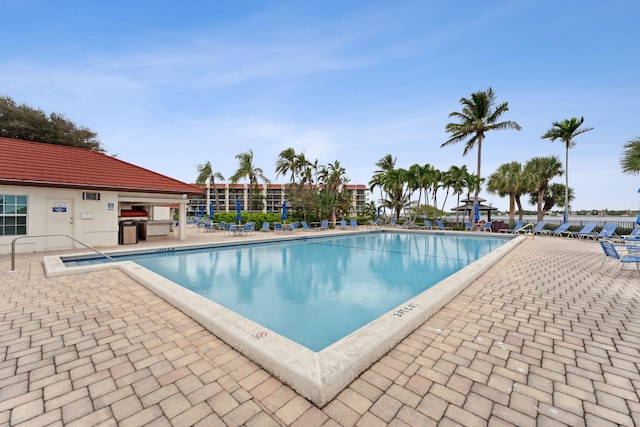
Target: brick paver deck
(542,338)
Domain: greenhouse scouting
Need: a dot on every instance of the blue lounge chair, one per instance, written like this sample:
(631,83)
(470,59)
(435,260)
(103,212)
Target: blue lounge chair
(266,226)
(634,235)
(468,226)
(539,227)
(586,231)
(305,226)
(611,252)
(427,225)
(324,225)
(560,231)
(353,224)
(441,226)
(277,226)
(373,224)
(343,224)
(515,228)
(393,222)
(607,232)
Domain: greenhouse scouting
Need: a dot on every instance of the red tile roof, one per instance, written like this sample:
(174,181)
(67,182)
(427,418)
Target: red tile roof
(46,165)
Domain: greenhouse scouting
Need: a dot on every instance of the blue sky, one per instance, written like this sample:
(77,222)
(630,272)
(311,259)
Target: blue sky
(169,85)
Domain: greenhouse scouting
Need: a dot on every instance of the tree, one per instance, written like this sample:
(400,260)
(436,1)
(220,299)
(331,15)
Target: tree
(538,172)
(553,195)
(478,116)
(630,160)
(508,180)
(29,124)
(459,177)
(246,169)
(287,163)
(206,174)
(395,185)
(565,131)
(385,164)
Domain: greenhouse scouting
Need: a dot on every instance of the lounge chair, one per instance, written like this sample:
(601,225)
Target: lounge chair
(539,227)
(343,224)
(441,226)
(393,222)
(611,252)
(353,224)
(324,225)
(585,232)
(560,231)
(634,235)
(305,226)
(427,225)
(266,226)
(515,228)
(469,226)
(277,226)
(607,232)
(485,227)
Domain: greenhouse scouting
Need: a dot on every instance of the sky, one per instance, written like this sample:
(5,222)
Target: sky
(170,85)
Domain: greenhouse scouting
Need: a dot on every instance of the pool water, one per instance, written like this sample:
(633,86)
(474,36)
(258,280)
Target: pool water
(316,291)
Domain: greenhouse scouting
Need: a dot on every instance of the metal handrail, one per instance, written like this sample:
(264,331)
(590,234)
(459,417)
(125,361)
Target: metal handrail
(13,246)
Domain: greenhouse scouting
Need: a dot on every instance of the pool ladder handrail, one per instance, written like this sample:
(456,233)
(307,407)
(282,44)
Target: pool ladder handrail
(13,246)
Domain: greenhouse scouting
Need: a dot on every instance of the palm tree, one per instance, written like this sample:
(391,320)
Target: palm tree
(553,195)
(206,174)
(246,169)
(459,177)
(385,164)
(395,185)
(287,163)
(508,180)
(538,172)
(477,117)
(630,160)
(565,131)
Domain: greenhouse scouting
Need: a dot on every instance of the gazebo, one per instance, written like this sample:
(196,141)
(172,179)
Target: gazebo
(467,207)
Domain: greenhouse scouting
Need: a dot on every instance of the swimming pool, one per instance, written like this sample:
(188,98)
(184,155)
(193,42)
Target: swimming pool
(316,291)
(317,375)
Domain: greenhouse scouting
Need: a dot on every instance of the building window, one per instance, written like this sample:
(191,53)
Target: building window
(13,215)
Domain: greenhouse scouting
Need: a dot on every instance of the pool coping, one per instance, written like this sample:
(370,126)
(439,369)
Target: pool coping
(318,376)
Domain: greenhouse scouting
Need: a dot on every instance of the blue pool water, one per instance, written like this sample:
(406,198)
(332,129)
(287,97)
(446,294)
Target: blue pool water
(316,291)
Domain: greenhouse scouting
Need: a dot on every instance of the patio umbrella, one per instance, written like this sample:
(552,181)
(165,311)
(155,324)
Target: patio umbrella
(284,211)
(476,212)
(379,207)
(211,211)
(238,210)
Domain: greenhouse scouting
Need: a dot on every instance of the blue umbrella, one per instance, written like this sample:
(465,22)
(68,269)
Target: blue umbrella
(284,210)
(211,210)
(238,210)
(476,212)
(379,207)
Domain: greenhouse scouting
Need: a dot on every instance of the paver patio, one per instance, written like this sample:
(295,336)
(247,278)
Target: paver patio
(542,338)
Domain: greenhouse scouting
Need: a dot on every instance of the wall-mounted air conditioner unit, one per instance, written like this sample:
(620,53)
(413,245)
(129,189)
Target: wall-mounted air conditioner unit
(90,196)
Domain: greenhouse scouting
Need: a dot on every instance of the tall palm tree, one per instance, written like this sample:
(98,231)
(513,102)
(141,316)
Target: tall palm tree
(459,176)
(478,116)
(395,185)
(630,160)
(565,131)
(287,163)
(385,164)
(508,180)
(246,169)
(206,174)
(538,172)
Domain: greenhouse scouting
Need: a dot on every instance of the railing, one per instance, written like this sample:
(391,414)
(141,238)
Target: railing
(13,246)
